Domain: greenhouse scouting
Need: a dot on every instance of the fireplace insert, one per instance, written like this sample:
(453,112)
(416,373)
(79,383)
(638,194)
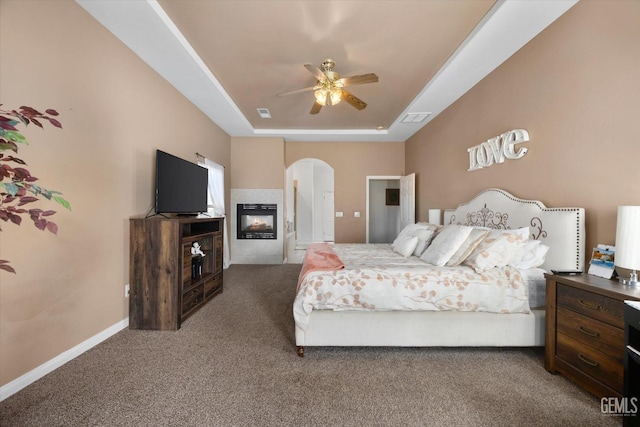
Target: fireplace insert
(257,221)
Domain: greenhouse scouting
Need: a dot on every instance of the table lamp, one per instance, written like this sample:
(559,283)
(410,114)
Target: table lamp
(435,216)
(627,253)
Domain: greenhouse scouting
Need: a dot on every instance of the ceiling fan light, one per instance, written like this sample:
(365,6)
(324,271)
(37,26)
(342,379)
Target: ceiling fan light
(321,96)
(335,96)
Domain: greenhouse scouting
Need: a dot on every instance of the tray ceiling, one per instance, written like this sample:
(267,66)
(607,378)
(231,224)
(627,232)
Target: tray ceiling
(232,57)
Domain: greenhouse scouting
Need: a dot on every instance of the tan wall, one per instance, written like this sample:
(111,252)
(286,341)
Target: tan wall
(115,112)
(257,163)
(352,163)
(576,89)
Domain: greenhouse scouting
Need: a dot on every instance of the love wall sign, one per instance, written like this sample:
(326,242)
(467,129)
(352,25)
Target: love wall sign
(497,149)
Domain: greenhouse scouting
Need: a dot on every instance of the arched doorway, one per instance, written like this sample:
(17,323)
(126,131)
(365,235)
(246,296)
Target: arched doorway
(310,210)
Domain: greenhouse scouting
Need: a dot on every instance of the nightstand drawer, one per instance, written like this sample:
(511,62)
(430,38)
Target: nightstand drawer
(603,368)
(601,336)
(599,307)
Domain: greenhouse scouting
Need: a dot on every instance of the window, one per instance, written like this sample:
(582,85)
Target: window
(215,199)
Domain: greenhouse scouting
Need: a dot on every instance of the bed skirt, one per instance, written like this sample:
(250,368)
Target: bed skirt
(423,329)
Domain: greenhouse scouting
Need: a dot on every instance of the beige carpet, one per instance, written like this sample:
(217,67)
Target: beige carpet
(234,364)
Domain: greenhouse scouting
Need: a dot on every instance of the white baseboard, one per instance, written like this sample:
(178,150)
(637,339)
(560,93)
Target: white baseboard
(34,375)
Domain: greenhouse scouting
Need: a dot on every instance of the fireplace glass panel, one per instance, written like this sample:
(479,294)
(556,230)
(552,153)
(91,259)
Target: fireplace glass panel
(257,221)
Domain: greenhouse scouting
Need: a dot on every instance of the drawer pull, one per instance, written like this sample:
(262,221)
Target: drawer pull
(588,332)
(587,360)
(588,304)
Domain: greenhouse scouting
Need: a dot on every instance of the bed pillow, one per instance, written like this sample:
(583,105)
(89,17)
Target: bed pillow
(405,245)
(531,255)
(424,238)
(409,230)
(445,244)
(524,232)
(422,230)
(498,249)
(476,236)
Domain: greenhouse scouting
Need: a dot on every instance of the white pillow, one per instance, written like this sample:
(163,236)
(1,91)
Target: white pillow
(531,255)
(445,244)
(424,238)
(405,245)
(409,230)
(523,232)
(475,237)
(498,249)
(422,230)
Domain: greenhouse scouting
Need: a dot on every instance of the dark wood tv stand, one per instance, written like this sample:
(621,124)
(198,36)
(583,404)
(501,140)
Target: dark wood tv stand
(166,287)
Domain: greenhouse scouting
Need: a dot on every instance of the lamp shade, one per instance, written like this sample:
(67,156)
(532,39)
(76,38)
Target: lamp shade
(435,216)
(628,237)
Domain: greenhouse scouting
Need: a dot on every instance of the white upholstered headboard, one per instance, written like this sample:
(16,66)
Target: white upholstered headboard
(562,229)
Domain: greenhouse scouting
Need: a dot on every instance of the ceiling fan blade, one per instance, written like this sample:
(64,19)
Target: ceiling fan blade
(354,101)
(291,92)
(315,109)
(358,80)
(317,72)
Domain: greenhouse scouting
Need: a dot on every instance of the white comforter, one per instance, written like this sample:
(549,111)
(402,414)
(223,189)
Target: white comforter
(376,278)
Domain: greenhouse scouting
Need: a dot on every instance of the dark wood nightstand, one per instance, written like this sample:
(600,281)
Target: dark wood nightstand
(585,331)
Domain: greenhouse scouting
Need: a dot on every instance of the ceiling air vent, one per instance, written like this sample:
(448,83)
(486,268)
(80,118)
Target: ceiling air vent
(264,113)
(415,117)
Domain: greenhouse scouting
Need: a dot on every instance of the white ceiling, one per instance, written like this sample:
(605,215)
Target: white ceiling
(230,57)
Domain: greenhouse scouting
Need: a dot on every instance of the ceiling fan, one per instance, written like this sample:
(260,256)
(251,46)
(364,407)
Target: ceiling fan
(330,88)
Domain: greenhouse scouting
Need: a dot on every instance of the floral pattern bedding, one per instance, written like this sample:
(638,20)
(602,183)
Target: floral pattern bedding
(377,278)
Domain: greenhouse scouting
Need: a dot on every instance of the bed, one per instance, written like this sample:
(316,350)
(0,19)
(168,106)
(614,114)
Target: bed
(509,313)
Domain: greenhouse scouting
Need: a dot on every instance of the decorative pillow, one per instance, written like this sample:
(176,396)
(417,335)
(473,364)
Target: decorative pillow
(531,255)
(405,245)
(422,230)
(475,237)
(424,238)
(429,225)
(445,244)
(409,230)
(498,249)
(524,232)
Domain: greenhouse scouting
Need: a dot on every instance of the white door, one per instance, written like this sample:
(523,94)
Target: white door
(407,200)
(327,216)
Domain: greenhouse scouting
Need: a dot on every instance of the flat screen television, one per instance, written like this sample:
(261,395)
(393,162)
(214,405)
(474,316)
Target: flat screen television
(181,186)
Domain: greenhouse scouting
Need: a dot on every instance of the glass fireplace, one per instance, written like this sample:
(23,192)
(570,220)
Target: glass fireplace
(257,221)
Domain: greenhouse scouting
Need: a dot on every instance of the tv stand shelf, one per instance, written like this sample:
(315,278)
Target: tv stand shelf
(168,283)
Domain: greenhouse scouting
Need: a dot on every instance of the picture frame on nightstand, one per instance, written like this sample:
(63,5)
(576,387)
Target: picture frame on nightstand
(602,262)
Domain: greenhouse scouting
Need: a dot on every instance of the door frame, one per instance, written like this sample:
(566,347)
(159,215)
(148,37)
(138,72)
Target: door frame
(376,178)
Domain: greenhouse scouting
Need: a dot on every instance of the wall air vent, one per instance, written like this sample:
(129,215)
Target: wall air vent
(415,117)
(264,113)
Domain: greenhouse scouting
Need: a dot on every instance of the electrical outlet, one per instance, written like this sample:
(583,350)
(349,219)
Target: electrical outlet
(126,290)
